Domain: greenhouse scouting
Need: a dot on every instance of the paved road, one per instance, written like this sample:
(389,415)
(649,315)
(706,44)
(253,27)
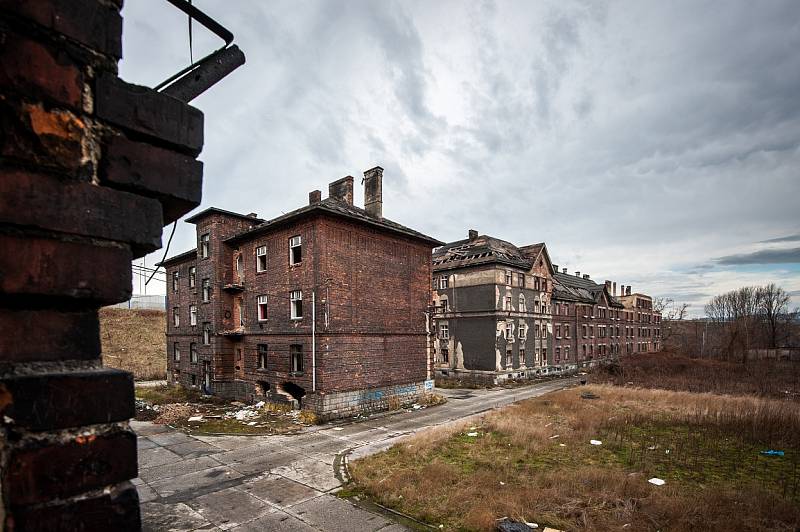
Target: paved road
(280,483)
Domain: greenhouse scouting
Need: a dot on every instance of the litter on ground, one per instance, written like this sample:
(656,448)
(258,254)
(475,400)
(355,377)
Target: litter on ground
(554,436)
(657,481)
(595,442)
(196,418)
(472,434)
(772,452)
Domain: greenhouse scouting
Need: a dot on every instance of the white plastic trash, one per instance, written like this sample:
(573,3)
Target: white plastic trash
(196,418)
(595,442)
(472,434)
(657,481)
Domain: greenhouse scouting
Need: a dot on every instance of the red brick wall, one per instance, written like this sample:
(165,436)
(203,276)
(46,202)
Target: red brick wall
(92,168)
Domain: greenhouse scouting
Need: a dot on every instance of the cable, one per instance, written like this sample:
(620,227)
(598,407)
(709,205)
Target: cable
(166,250)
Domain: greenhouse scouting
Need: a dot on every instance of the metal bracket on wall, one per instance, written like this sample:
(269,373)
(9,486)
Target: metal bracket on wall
(198,77)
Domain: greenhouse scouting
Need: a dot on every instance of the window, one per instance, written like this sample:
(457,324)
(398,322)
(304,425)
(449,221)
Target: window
(509,278)
(444,332)
(194,379)
(262,308)
(176,316)
(558,355)
(176,352)
(192,315)
(295,250)
(566,353)
(509,357)
(566,331)
(523,331)
(296,301)
(522,303)
(444,303)
(192,276)
(175,277)
(445,354)
(536,305)
(509,331)
(591,331)
(522,280)
(536,331)
(261,259)
(558,331)
(207,333)
(544,331)
(508,303)
(206,290)
(522,355)
(584,331)
(296,356)
(193,353)
(443,282)
(262,356)
(205,241)
(536,283)
(544,356)
(538,354)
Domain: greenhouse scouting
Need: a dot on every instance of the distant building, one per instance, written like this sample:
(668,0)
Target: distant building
(324,306)
(506,312)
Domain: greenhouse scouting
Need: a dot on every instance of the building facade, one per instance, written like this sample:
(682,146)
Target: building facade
(491,318)
(323,307)
(506,312)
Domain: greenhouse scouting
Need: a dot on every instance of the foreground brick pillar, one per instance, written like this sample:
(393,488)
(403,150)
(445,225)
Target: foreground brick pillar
(91,169)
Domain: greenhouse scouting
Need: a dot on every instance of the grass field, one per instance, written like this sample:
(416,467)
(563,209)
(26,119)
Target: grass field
(133,340)
(533,462)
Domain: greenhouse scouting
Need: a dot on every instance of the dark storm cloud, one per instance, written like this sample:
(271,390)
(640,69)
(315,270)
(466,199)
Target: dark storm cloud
(764,256)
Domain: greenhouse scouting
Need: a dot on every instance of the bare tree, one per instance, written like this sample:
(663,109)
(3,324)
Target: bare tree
(773,308)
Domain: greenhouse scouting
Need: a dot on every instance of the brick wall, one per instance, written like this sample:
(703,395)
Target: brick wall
(93,167)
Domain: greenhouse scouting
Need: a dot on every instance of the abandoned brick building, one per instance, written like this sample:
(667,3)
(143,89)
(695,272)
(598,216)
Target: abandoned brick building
(324,305)
(503,311)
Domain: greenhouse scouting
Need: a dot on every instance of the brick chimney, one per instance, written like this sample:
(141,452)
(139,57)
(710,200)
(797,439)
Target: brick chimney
(341,190)
(555,267)
(577,274)
(608,285)
(373,192)
(473,234)
(563,270)
(614,292)
(585,275)
(314,197)
(628,290)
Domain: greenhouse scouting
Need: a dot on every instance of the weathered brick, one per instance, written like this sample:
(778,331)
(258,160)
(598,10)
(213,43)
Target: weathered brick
(62,400)
(41,201)
(49,335)
(50,138)
(77,270)
(118,511)
(88,22)
(143,110)
(31,68)
(44,471)
(174,178)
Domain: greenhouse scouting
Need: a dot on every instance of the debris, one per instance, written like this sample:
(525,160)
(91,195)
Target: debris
(595,442)
(657,481)
(562,445)
(416,407)
(772,452)
(548,424)
(196,418)
(666,452)
(532,525)
(252,423)
(554,436)
(472,434)
(259,404)
(507,525)
(652,448)
(589,395)
(473,428)
(338,428)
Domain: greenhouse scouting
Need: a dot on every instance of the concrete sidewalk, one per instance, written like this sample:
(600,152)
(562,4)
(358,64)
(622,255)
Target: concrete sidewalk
(283,482)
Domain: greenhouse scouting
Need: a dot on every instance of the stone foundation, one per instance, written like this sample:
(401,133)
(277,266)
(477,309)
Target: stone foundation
(337,405)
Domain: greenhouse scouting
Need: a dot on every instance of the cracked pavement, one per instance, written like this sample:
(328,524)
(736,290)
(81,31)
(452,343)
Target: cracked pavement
(285,482)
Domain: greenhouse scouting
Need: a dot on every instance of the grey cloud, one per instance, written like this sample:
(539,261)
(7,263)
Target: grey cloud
(790,238)
(764,256)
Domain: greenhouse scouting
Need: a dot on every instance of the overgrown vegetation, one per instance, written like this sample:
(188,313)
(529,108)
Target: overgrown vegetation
(133,340)
(765,378)
(534,462)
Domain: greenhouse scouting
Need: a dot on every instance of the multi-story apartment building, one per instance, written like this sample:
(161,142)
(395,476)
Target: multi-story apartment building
(491,316)
(592,323)
(502,311)
(324,305)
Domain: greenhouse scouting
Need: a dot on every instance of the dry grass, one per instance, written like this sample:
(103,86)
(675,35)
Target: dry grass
(670,371)
(133,340)
(517,467)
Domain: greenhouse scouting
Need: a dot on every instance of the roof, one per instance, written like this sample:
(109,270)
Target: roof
(568,287)
(213,210)
(192,253)
(482,249)
(335,208)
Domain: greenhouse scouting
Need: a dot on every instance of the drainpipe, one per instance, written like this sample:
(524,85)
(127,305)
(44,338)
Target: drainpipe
(314,340)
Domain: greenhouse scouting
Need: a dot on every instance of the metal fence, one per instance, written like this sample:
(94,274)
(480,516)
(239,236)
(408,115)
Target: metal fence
(144,302)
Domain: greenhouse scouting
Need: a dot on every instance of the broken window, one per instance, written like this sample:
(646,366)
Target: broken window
(262,356)
(207,333)
(523,331)
(566,353)
(193,379)
(176,316)
(522,355)
(584,331)
(176,352)
(591,331)
(522,303)
(509,357)
(240,311)
(192,315)
(544,331)
(558,331)
(536,305)
(193,353)
(192,276)
(205,241)
(509,331)
(544,356)
(558,355)
(509,278)
(296,356)
(262,308)
(261,259)
(206,290)
(295,250)
(536,283)
(445,354)
(175,277)
(444,331)
(444,304)
(522,280)
(508,303)
(296,301)
(443,282)
(566,331)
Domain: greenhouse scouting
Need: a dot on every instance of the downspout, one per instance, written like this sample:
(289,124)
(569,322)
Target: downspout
(314,340)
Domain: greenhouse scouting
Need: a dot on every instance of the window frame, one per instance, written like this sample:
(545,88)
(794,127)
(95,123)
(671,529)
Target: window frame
(295,303)
(205,245)
(294,351)
(176,316)
(261,304)
(262,354)
(176,352)
(193,357)
(192,276)
(206,290)
(207,333)
(261,251)
(175,280)
(193,315)
(292,247)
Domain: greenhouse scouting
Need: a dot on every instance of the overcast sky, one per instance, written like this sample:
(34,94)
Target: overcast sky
(655,144)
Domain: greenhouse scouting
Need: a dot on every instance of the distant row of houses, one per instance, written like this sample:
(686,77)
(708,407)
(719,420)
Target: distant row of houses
(343,311)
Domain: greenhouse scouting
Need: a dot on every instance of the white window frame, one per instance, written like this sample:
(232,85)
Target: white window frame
(523,331)
(444,331)
(294,297)
(175,280)
(207,333)
(176,316)
(295,242)
(292,359)
(193,353)
(192,315)
(206,290)
(176,352)
(509,278)
(262,356)
(443,282)
(261,251)
(261,301)
(192,276)
(205,245)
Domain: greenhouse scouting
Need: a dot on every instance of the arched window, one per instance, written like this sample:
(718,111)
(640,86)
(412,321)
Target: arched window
(522,303)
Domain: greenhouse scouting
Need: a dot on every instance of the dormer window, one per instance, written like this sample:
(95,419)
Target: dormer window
(295,250)
(261,258)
